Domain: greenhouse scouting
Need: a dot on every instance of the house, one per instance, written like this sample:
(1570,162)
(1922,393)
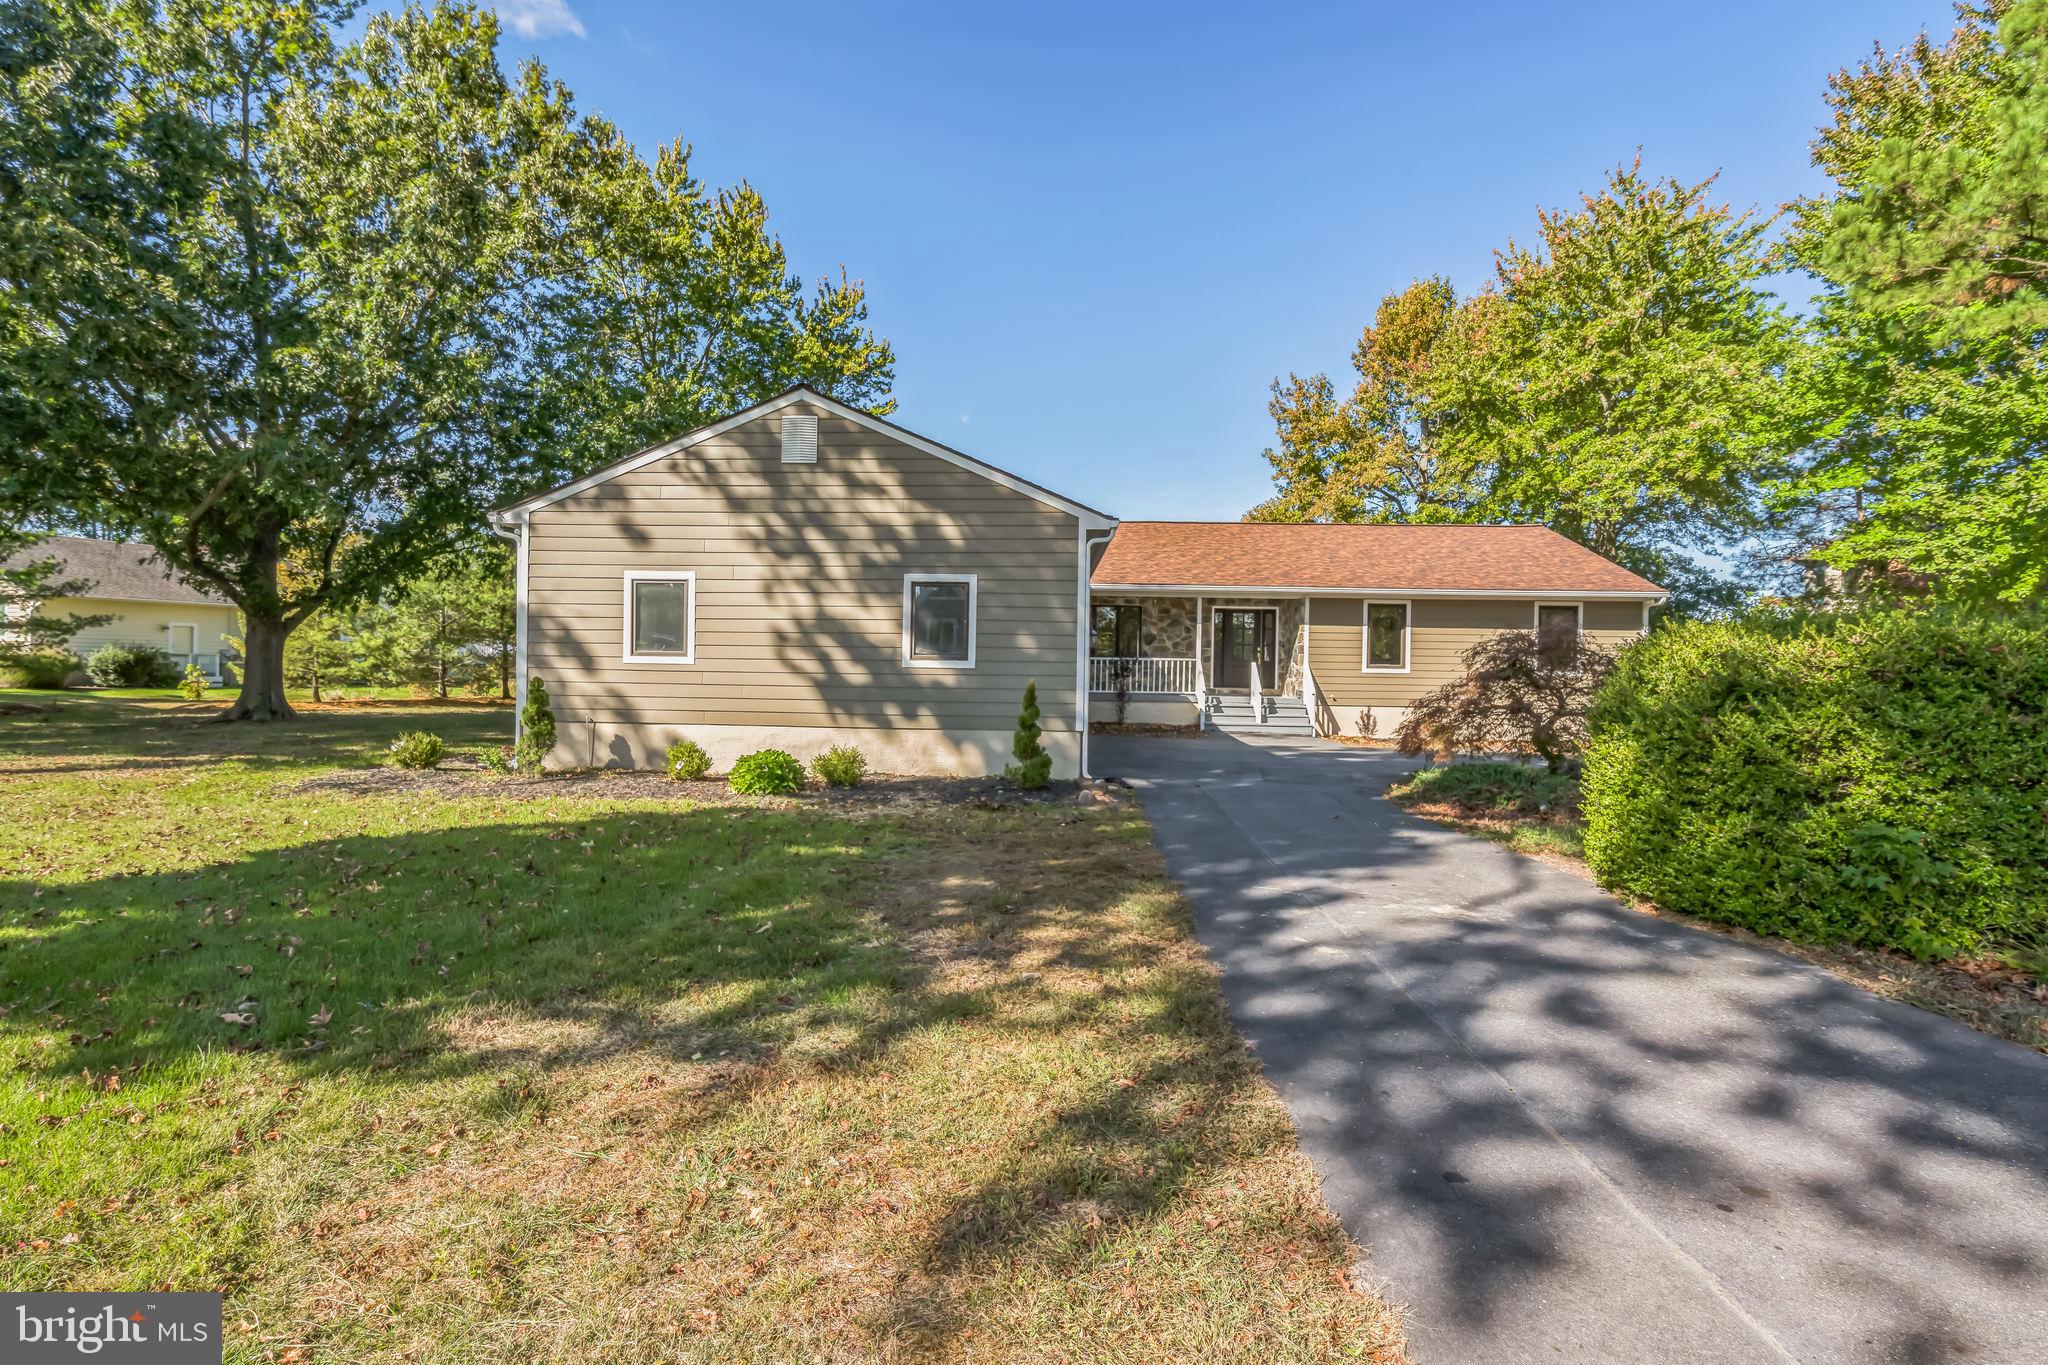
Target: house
(798,575)
(1320,629)
(803,574)
(149,605)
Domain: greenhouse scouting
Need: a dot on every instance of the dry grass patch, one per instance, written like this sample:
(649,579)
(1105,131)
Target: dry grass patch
(550,1079)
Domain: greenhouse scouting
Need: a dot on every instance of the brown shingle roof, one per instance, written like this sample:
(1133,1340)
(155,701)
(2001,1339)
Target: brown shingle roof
(1245,554)
(116,570)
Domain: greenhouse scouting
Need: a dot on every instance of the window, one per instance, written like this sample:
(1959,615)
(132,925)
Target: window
(661,617)
(938,620)
(1119,632)
(1386,637)
(1557,616)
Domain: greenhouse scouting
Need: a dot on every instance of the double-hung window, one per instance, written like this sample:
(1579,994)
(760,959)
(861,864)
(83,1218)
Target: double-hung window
(1386,637)
(1557,616)
(939,620)
(661,616)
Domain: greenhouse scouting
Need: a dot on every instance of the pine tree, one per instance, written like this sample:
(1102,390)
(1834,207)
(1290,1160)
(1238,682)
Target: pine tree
(536,727)
(1033,767)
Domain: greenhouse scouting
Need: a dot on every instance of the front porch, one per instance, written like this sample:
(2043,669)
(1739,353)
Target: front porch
(1227,663)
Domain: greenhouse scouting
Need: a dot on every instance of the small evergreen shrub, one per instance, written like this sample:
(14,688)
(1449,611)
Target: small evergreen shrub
(1033,768)
(495,758)
(130,666)
(1876,777)
(38,668)
(417,749)
(536,728)
(687,760)
(194,683)
(771,772)
(842,765)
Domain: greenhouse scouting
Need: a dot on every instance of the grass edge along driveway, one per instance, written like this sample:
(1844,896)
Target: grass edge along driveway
(488,1078)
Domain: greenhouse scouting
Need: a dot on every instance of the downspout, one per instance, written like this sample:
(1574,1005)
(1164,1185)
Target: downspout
(1082,633)
(517,535)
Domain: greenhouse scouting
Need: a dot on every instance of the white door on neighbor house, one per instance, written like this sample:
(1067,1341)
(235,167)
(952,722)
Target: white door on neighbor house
(184,643)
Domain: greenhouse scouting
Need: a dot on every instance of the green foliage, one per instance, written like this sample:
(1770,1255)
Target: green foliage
(130,666)
(842,765)
(194,683)
(496,758)
(536,728)
(769,772)
(41,668)
(26,582)
(359,285)
(1875,778)
(687,760)
(1515,788)
(442,630)
(1934,248)
(1627,381)
(417,749)
(1522,692)
(1033,768)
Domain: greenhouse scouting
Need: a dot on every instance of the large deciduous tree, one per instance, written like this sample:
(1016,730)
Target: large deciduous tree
(1625,380)
(267,299)
(1934,250)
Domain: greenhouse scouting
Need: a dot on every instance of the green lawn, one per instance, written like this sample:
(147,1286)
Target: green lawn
(500,1077)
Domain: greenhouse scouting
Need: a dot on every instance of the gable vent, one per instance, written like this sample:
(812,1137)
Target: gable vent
(799,440)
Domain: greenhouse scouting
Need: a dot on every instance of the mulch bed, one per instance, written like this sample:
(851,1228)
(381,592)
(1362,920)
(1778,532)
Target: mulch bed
(462,777)
(1110,727)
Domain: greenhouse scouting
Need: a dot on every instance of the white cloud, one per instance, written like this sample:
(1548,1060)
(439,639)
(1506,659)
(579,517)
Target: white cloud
(540,18)
(965,419)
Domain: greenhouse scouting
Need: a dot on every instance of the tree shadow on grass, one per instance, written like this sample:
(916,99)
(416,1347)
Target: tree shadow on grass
(89,733)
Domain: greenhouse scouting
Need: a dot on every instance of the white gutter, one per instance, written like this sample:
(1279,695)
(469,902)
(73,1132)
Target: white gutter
(1083,632)
(512,526)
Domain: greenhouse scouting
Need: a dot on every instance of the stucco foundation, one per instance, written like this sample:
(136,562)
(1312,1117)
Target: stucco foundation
(943,753)
(1150,711)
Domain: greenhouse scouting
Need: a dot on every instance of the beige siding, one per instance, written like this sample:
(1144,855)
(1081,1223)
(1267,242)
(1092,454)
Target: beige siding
(1440,631)
(799,575)
(144,623)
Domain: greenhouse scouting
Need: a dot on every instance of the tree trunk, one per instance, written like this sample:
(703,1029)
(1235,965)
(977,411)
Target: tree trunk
(316,679)
(262,673)
(505,675)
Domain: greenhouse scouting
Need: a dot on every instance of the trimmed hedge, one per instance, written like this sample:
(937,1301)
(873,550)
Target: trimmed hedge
(1874,778)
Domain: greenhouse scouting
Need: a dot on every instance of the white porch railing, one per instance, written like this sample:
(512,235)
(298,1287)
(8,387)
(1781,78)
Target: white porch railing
(1258,696)
(1173,677)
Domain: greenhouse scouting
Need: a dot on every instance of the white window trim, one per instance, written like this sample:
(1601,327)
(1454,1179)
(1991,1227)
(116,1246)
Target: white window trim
(689,576)
(973,582)
(1365,663)
(1578,609)
(171,628)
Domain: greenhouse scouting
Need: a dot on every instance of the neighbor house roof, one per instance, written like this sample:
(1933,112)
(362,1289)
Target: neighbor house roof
(116,569)
(804,393)
(1323,558)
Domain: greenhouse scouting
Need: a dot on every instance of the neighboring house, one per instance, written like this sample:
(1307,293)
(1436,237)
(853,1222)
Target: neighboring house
(149,605)
(1339,628)
(804,574)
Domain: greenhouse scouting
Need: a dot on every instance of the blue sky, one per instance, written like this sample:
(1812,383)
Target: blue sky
(1096,232)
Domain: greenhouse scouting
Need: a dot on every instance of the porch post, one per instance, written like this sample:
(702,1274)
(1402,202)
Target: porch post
(1201,673)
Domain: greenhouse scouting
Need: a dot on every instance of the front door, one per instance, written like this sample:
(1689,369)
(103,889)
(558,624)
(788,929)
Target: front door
(1245,638)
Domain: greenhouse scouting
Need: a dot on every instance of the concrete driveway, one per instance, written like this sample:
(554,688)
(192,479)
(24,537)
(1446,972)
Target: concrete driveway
(1565,1131)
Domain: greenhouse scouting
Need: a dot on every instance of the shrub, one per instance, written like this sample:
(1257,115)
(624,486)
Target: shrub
(38,668)
(495,758)
(842,765)
(771,772)
(687,760)
(1523,692)
(1516,787)
(194,683)
(1033,767)
(130,666)
(536,728)
(1875,778)
(417,749)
